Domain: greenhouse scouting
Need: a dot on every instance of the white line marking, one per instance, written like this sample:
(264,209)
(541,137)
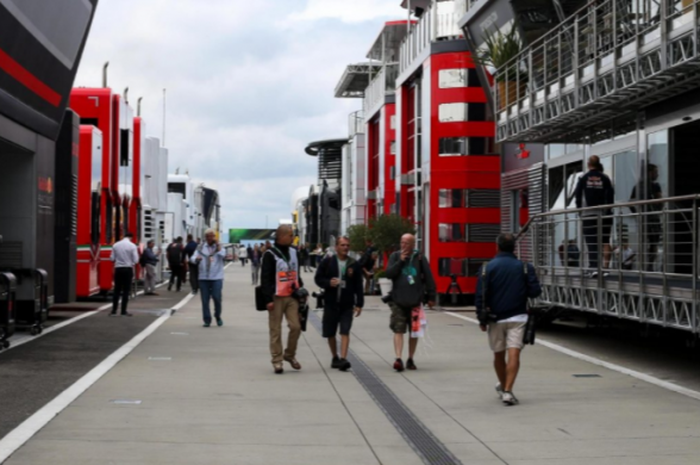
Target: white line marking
(610,366)
(22,433)
(16,341)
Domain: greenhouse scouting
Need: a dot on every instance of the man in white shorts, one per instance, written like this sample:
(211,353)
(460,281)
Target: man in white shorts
(504,285)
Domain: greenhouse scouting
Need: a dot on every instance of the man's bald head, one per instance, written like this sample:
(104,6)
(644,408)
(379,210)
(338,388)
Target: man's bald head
(284,234)
(408,242)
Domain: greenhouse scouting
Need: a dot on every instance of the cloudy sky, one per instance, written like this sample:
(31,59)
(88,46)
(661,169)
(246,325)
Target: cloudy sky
(249,84)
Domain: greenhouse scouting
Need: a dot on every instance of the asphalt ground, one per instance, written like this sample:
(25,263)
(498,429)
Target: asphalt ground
(35,372)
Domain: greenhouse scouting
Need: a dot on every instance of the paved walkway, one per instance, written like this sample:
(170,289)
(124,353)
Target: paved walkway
(208,396)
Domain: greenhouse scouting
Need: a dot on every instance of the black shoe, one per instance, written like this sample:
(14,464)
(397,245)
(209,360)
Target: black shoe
(127,314)
(344,365)
(336,362)
(398,365)
(170,288)
(410,365)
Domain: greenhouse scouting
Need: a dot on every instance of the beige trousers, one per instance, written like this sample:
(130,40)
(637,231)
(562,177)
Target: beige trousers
(289,308)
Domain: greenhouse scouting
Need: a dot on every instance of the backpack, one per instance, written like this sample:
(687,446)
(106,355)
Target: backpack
(142,259)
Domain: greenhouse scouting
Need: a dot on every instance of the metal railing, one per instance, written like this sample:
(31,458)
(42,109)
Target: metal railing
(635,260)
(438,22)
(356,123)
(608,56)
(383,84)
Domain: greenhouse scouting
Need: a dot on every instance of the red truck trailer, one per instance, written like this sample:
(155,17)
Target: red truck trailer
(96,108)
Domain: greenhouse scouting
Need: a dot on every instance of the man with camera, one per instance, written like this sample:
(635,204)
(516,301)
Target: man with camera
(209,258)
(281,286)
(502,290)
(412,284)
(341,279)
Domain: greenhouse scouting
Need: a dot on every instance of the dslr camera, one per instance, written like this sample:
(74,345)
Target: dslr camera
(320,298)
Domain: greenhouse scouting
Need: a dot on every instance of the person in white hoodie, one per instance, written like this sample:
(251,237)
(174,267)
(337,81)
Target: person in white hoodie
(242,254)
(209,257)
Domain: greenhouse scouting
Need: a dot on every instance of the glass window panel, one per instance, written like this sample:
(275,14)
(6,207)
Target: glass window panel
(453,78)
(625,180)
(451,198)
(658,157)
(451,232)
(453,112)
(556,150)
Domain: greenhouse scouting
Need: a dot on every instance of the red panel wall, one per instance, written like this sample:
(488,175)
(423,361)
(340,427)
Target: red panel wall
(475,171)
(388,113)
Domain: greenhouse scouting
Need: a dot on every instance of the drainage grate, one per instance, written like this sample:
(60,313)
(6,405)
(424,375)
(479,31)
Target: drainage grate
(422,441)
(586,375)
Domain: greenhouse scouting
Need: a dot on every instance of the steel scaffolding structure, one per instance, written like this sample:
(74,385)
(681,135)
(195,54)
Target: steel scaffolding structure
(603,63)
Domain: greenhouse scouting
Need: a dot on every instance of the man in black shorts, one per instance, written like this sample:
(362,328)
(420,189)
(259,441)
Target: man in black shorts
(594,189)
(341,278)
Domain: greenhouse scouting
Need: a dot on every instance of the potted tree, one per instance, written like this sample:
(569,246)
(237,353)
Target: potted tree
(385,233)
(499,52)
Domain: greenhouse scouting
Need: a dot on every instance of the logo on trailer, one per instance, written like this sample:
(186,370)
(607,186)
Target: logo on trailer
(522,153)
(46,184)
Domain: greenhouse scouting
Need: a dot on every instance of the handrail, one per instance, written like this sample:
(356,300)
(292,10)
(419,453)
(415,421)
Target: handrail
(524,228)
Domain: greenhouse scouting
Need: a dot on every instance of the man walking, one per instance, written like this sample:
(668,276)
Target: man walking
(190,249)
(176,257)
(502,290)
(341,278)
(280,279)
(209,258)
(594,189)
(125,256)
(150,260)
(412,282)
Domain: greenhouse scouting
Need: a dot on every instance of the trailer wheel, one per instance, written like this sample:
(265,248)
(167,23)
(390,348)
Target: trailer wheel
(34,331)
(40,329)
(6,344)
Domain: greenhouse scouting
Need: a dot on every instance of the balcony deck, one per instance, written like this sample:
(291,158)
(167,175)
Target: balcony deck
(609,60)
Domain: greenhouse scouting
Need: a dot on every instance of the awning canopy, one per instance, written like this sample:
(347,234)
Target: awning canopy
(356,79)
(391,36)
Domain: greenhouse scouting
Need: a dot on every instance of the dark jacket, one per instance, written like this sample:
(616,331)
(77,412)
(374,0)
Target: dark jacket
(507,287)
(175,254)
(190,249)
(268,273)
(352,295)
(403,293)
(594,189)
(149,258)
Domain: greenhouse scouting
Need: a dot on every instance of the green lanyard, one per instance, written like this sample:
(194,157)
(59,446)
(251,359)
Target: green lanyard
(344,268)
(410,269)
(287,261)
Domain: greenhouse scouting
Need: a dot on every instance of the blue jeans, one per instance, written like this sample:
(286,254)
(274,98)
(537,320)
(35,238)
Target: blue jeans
(211,289)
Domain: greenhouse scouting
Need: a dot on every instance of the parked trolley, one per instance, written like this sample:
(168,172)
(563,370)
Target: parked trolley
(8,288)
(31,308)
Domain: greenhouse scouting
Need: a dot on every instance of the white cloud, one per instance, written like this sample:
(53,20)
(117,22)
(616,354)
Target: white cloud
(249,85)
(350,11)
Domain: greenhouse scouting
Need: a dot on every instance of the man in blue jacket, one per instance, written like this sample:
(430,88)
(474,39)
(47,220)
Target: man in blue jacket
(341,278)
(504,285)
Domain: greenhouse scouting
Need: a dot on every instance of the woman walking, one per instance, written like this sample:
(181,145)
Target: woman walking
(255,261)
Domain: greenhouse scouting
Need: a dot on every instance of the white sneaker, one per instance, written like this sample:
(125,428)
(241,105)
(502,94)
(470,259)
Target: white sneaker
(509,399)
(500,391)
(594,274)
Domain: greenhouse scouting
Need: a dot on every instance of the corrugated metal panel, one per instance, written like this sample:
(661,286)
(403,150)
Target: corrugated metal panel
(483,198)
(482,232)
(532,179)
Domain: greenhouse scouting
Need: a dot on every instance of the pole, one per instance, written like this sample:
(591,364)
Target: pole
(164,96)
